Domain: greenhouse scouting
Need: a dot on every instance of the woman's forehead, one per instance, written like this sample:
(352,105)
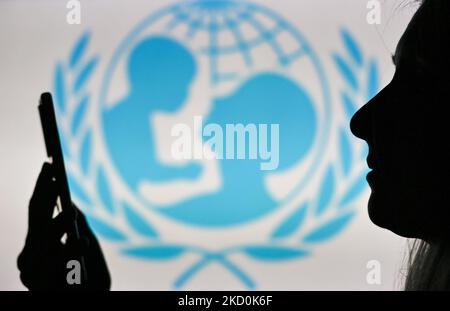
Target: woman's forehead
(410,35)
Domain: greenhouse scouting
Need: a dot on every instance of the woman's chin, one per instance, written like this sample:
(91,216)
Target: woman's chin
(381,210)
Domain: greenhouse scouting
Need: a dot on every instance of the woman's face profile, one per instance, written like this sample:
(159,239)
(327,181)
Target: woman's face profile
(406,128)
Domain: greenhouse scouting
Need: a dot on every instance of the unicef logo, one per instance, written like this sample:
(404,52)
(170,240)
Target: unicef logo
(268,172)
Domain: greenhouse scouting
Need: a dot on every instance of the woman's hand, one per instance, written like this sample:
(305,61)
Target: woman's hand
(43,262)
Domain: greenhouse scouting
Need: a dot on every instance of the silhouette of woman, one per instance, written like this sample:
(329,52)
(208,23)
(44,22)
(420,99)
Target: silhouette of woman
(406,129)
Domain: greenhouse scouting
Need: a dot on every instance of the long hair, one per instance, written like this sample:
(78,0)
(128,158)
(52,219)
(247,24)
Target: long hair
(428,264)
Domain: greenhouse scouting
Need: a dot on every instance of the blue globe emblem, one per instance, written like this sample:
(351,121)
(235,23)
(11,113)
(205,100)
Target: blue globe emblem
(214,62)
(230,62)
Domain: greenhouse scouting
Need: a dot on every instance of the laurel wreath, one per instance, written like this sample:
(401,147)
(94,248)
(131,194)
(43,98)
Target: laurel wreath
(89,184)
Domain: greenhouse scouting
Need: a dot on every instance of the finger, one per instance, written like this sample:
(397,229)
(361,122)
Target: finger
(45,177)
(64,223)
(43,200)
(78,247)
(96,266)
(82,223)
(58,226)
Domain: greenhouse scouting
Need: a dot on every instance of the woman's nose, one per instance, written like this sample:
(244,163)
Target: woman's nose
(360,124)
(363,122)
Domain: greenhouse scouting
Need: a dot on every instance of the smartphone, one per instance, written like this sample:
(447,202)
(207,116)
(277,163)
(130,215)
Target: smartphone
(54,152)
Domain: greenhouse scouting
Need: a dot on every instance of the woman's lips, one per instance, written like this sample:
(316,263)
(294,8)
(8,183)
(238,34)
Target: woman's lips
(371,177)
(370,162)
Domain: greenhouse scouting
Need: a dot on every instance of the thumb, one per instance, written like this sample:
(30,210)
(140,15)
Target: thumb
(43,201)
